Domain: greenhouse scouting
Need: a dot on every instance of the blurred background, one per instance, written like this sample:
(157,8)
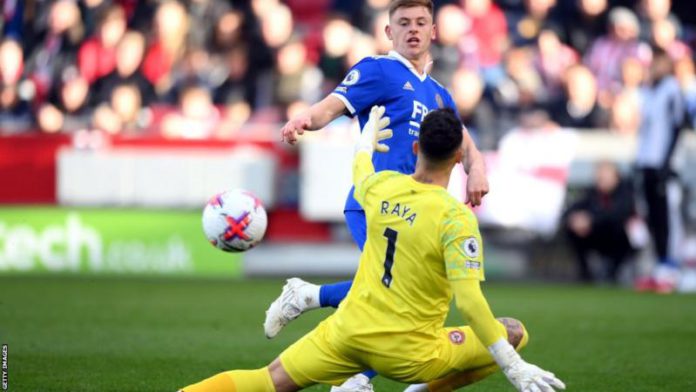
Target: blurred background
(119,119)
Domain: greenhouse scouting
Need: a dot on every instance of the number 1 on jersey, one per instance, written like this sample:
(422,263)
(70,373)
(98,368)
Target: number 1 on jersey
(389,258)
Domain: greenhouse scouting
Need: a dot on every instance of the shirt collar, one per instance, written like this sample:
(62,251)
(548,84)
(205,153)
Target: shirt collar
(404,61)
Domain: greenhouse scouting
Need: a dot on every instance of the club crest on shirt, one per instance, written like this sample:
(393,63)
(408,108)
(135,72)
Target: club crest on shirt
(440,103)
(352,78)
(471,247)
(456,336)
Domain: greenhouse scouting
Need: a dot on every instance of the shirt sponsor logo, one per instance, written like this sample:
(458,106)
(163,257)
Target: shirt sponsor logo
(471,247)
(352,78)
(473,264)
(457,337)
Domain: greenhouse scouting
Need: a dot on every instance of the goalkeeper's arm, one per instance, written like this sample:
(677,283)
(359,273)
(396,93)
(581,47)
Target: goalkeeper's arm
(474,307)
(372,133)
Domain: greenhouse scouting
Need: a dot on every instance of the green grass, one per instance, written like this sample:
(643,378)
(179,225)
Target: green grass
(110,334)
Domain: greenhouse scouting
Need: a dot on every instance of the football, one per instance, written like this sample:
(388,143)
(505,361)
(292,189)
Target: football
(234,221)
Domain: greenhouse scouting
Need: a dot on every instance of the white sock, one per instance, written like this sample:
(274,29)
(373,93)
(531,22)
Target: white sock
(309,295)
(417,388)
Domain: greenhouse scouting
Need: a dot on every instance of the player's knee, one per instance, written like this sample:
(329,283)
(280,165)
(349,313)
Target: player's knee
(516,332)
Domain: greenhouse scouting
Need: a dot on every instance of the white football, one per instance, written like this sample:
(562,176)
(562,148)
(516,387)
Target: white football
(234,221)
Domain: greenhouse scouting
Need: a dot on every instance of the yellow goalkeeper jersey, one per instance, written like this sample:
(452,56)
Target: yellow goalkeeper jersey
(418,239)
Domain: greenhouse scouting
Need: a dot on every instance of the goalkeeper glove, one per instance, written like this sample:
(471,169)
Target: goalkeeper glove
(374,131)
(524,376)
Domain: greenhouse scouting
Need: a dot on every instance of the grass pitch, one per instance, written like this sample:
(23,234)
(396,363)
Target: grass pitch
(121,334)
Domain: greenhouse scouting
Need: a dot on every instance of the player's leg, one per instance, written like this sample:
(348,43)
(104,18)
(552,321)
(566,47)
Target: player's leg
(315,359)
(333,294)
(270,378)
(311,360)
(240,381)
(299,296)
(467,360)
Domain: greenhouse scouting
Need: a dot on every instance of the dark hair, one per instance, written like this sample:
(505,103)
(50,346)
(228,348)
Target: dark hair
(440,135)
(396,4)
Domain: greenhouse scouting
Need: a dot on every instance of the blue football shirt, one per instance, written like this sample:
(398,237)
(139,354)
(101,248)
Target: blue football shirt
(393,82)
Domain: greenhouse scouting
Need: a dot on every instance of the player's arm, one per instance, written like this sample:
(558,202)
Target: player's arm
(374,131)
(474,308)
(477,181)
(362,87)
(312,119)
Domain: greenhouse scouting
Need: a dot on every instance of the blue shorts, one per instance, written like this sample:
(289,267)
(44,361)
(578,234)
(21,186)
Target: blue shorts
(357,225)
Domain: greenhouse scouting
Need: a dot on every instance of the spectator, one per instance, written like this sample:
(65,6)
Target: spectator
(92,11)
(451,24)
(551,59)
(67,109)
(11,62)
(201,12)
(370,10)
(522,86)
(276,25)
(276,28)
(196,67)
(664,36)
(525,27)
(607,53)
(363,46)
(237,84)
(12,18)
(228,32)
(54,46)
(123,113)
(485,43)
(171,28)
(684,71)
(579,107)
(649,12)
(97,55)
(296,78)
(15,92)
(586,23)
(476,114)
(195,117)
(337,38)
(237,113)
(625,115)
(663,115)
(383,43)
(15,111)
(597,222)
(129,57)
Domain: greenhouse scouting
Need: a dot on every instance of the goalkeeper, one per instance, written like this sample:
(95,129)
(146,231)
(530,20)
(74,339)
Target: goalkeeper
(423,248)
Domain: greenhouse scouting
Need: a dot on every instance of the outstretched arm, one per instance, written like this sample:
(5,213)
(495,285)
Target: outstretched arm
(374,131)
(474,307)
(314,118)
(477,181)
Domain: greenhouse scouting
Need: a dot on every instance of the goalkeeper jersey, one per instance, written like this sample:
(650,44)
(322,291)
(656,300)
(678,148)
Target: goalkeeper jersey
(393,82)
(418,238)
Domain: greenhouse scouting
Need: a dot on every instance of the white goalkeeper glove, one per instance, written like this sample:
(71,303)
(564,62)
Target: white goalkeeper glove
(524,376)
(374,132)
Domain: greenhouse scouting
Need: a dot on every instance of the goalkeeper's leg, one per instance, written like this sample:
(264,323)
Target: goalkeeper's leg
(517,336)
(270,378)
(299,296)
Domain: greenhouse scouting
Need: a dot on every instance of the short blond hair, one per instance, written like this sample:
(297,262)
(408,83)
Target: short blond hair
(396,4)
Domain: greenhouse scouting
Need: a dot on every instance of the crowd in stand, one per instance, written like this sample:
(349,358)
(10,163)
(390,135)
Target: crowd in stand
(207,68)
